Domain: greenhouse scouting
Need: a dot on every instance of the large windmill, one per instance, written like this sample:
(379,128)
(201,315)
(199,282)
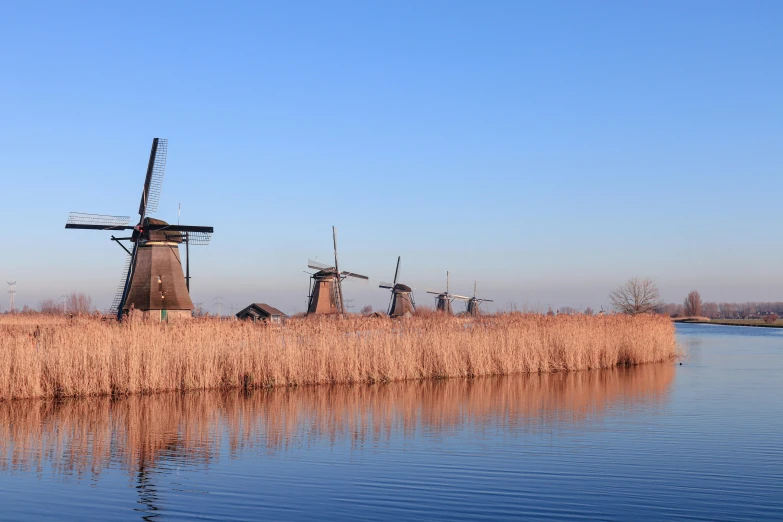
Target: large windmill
(444,299)
(326,289)
(152,278)
(401,297)
(474,302)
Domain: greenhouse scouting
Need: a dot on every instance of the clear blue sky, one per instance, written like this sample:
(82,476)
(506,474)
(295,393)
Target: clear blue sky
(549,150)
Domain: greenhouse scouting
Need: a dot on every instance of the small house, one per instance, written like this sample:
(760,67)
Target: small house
(261,312)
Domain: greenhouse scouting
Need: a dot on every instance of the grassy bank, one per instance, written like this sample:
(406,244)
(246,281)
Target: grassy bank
(731,322)
(57,357)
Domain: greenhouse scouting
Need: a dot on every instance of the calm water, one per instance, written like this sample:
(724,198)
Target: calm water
(697,441)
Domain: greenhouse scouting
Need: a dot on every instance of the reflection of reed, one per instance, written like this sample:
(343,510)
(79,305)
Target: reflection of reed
(86,436)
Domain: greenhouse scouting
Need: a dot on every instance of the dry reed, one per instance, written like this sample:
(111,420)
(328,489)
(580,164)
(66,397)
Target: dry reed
(84,437)
(58,357)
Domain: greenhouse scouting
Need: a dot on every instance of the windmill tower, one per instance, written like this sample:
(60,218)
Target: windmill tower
(152,278)
(401,302)
(444,299)
(474,302)
(326,289)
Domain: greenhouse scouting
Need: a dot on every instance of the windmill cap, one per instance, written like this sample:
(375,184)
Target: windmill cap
(399,287)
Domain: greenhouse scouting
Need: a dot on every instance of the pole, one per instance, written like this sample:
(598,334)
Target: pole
(187,260)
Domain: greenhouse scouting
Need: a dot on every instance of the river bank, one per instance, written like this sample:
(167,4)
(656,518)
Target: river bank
(730,322)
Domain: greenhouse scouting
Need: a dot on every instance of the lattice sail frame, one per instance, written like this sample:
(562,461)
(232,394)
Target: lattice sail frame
(82,218)
(156,180)
(194,238)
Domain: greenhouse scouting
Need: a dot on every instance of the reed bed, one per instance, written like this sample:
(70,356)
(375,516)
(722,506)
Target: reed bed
(84,437)
(60,357)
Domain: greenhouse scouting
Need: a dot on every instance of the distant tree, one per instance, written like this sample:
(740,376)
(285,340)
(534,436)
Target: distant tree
(728,310)
(670,309)
(745,310)
(78,303)
(568,310)
(589,311)
(710,310)
(50,306)
(366,310)
(693,304)
(550,312)
(636,296)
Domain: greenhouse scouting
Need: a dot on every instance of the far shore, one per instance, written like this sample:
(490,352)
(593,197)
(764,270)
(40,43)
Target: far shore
(759,323)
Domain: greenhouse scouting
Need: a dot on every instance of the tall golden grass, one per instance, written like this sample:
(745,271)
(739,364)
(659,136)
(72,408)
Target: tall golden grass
(59,357)
(84,437)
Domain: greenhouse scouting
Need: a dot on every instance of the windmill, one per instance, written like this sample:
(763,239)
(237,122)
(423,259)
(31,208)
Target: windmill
(401,302)
(152,279)
(326,289)
(444,299)
(474,302)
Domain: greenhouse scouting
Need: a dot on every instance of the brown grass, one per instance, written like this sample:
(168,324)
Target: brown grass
(58,357)
(84,437)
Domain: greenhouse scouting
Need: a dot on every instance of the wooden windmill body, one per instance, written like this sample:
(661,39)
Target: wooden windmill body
(443,300)
(401,303)
(474,302)
(153,281)
(326,291)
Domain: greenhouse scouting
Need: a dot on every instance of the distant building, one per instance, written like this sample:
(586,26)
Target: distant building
(261,312)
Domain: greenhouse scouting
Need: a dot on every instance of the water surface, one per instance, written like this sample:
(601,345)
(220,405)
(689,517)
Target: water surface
(698,441)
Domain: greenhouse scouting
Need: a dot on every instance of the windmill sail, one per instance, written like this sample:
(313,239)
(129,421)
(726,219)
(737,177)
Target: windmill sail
(153,183)
(116,303)
(81,218)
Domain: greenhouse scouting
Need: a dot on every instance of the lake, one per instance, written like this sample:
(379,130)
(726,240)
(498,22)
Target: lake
(700,441)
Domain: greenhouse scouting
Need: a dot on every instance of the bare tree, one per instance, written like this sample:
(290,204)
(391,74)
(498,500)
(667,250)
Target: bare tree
(589,311)
(671,309)
(366,310)
(78,303)
(710,310)
(50,306)
(728,310)
(693,304)
(636,296)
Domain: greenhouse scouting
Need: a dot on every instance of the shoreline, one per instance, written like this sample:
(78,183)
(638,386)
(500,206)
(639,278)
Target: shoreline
(729,322)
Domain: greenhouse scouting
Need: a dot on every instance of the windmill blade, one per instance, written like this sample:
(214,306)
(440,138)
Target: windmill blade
(117,301)
(180,228)
(357,276)
(385,285)
(485,300)
(434,292)
(397,271)
(81,218)
(153,182)
(97,227)
(193,238)
(315,265)
(454,296)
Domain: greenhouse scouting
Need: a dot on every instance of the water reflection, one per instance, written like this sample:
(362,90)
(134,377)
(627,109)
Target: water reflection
(83,437)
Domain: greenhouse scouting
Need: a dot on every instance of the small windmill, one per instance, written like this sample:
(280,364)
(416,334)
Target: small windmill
(401,302)
(326,289)
(474,302)
(444,299)
(152,278)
